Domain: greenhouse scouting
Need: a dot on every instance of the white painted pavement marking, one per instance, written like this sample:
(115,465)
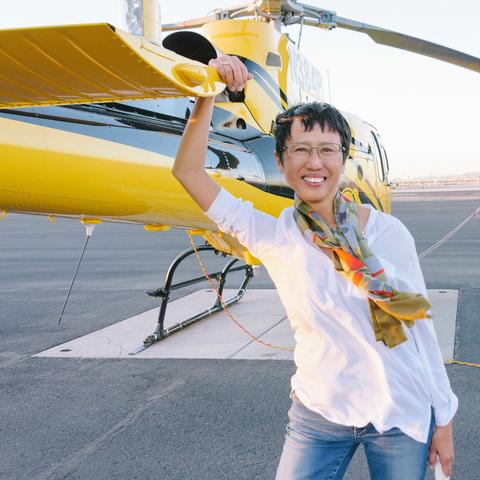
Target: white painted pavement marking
(260,311)
(444,310)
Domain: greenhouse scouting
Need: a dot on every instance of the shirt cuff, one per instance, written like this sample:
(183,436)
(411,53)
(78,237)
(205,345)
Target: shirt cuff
(444,415)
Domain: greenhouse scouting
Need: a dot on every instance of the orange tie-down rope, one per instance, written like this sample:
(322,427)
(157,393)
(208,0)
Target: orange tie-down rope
(225,308)
(475,214)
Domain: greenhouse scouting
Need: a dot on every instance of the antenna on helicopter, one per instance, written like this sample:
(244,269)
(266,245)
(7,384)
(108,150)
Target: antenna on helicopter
(290,12)
(89,224)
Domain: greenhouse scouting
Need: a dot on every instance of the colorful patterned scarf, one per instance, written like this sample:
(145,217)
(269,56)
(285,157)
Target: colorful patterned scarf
(352,257)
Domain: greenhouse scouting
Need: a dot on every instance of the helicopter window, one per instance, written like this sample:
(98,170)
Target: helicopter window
(359,146)
(386,159)
(273,60)
(383,155)
(378,158)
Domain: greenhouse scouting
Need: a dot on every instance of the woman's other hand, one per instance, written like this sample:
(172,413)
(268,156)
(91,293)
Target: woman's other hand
(442,445)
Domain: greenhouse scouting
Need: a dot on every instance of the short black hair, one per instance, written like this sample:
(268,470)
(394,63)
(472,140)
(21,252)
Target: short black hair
(311,114)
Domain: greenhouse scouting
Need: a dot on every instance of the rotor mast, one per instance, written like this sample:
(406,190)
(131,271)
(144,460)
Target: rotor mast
(143,18)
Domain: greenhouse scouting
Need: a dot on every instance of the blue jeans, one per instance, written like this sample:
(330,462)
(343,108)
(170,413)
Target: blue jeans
(317,449)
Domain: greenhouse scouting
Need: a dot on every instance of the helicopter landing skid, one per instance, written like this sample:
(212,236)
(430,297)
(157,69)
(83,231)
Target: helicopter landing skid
(164,293)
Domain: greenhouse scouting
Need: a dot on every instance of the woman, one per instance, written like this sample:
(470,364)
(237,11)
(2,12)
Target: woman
(369,369)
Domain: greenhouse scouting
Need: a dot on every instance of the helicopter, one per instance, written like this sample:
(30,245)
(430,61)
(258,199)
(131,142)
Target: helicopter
(91,118)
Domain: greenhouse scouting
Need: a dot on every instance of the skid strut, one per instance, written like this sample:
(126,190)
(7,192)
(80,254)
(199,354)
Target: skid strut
(220,277)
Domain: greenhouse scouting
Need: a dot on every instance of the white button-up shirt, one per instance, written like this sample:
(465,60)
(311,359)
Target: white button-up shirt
(342,372)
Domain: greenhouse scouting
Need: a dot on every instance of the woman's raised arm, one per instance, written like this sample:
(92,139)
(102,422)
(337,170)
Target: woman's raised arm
(189,168)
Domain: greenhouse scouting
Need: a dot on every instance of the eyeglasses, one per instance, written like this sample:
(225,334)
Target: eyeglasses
(299,151)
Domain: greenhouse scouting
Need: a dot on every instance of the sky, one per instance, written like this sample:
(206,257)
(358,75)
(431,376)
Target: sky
(426,111)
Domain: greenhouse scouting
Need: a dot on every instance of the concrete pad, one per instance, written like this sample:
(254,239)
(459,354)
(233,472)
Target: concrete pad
(217,337)
(213,337)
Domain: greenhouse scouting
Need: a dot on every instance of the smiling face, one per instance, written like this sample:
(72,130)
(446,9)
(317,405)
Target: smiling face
(315,180)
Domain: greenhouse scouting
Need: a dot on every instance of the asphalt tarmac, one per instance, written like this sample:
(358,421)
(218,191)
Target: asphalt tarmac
(173,419)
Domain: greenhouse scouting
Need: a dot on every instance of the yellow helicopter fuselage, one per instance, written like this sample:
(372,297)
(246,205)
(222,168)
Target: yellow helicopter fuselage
(113,161)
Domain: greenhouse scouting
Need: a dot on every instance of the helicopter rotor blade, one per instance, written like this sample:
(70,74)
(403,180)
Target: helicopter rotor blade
(328,20)
(411,44)
(244,9)
(193,23)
